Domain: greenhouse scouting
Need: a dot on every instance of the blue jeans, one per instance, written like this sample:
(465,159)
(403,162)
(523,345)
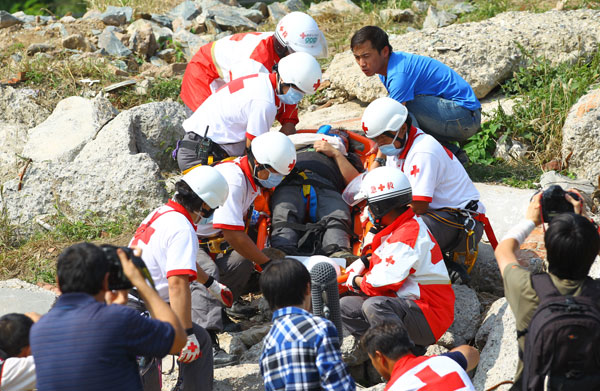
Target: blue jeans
(444,119)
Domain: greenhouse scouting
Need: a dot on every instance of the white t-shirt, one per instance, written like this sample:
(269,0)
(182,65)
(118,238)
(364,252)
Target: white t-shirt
(245,107)
(435,174)
(242,193)
(18,374)
(437,372)
(169,247)
(230,52)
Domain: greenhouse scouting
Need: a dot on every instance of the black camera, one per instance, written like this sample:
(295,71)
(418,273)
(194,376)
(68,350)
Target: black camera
(116,278)
(555,203)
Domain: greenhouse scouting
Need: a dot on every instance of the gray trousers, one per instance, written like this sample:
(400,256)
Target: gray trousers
(287,205)
(360,312)
(232,270)
(449,238)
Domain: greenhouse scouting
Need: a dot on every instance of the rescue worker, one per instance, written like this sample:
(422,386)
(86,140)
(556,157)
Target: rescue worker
(443,194)
(169,246)
(238,55)
(404,281)
(245,108)
(229,254)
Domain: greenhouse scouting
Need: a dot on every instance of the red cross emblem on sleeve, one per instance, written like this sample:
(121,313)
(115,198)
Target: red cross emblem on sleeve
(435,382)
(317,84)
(292,164)
(415,170)
(390,260)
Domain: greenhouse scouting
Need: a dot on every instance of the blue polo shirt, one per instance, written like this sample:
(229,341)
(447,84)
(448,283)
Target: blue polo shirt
(409,75)
(81,344)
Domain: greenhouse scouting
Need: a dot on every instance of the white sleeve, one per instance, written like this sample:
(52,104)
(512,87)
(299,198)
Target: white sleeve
(231,215)
(422,171)
(18,374)
(181,252)
(261,115)
(247,67)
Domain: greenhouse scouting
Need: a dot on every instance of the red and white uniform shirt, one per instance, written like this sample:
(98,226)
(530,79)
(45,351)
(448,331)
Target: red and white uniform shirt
(17,374)
(229,58)
(245,107)
(407,262)
(169,245)
(435,174)
(242,192)
(439,373)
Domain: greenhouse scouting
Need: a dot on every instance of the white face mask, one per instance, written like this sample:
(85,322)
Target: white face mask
(204,220)
(291,97)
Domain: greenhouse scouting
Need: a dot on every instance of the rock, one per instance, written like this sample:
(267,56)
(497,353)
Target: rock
(61,28)
(163,20)
(262,7)
(236,346)
(38,48)
(92,14)
(277,11)
(18,106)
(74,122)
(352,354)
(67,19)
(264,310)
(75,41)
(116,16)
(243,377)
(581,136)
(7,20)
(232,18)
(13,138)
(419,6)
(294,5)
(254,335)
(143,42)
(161,34)
(435,350)
(436,19)
(180,23)
(252,355)
(190,43)
(334,7)
(397,15)
(112,45)
(466,318)
(186,10)
(447,4)
(498,337)
(167,54)
(484,53)
(485,276)
(491,103)
(585,187)
(509,150)
(462,8)
(255,16)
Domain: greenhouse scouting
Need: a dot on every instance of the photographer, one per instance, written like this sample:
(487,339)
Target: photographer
(84,344)
(572,244)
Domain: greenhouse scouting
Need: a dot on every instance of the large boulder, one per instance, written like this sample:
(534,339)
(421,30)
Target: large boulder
(466,318)
(483,53)
(243,377)
(498,337)
(74,122)
(7,20)
(335,7)
(161,33)
(581,136)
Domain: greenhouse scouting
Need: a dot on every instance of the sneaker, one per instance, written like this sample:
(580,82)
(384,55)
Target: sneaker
(347,255)
(241,310)
(221,358)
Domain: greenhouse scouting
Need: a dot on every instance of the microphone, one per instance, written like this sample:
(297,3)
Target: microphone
(325,295)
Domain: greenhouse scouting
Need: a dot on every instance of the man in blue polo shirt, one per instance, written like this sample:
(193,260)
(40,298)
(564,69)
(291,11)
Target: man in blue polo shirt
(84,344)
(441,102)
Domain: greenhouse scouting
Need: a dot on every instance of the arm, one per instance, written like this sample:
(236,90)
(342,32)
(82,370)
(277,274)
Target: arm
(346,168)
(181,299)
(419,207)
(241,242)
(471,355)
(375,163)
(288,128)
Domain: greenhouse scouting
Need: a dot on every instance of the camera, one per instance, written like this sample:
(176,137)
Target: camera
(116,278)
(555,203)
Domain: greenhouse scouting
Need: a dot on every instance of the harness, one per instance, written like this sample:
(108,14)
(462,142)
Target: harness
(207,151)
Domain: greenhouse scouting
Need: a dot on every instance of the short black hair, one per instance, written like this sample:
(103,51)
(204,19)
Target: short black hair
(572,243)
(81,268)
(378,38)
(389,338)
(186,197)
(284,283)
(14,333)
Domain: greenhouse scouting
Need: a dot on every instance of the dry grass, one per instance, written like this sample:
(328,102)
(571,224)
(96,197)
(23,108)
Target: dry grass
(146,6)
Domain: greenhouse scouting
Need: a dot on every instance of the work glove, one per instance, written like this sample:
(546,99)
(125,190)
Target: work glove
(219,291)
(191,350)
(357,268)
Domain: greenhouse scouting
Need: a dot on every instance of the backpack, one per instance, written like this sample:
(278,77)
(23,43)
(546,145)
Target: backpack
(562,348)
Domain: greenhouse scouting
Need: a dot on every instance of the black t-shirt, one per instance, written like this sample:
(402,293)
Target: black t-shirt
(325,167)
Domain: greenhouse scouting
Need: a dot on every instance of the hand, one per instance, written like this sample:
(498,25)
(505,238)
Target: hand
(129,269)
(325,148)
(191,350)
(533,212)
(356,269)
(221,293)
(577,204)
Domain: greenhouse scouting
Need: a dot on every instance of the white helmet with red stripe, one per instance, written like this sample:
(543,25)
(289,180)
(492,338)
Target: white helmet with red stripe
(382,115)
(385,188)
(299,32)
(208,184)
(276,150)
(302,70)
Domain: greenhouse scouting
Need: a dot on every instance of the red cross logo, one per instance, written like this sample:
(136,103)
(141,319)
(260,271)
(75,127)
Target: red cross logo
(381,187)
(192,348)
(302,35)
(143,233)
(415,171)
(291,165)
(435,382)
(281,28)
(317,84)
(390,260)
(364,127)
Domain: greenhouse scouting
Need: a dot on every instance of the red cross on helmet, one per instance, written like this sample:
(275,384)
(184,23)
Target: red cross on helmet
(302,34)
(385,188)
(276,150)
(302,70)
(382,115)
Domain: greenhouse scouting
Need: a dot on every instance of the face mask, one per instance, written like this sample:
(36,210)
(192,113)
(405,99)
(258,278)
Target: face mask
(272,181)
(390,149)
(291,97)
(204,220)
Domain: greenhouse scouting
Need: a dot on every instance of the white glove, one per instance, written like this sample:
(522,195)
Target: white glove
(220,292)
(356,269)
(191,350)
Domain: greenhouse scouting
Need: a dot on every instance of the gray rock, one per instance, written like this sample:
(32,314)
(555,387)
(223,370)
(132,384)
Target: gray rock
(157,61)
(584,186)
(254,335)
(447,4)
(18,106)
(38,48)
(190,43)
(463,8)
(419,6)
(116,16)
(435,350)
(161,34)
(112,45)
(143,42)
(252,355)
(255,16)
(397,15)
(75,41)
(277,11)
(510,150)
(67,19)
(484,53)
(352,354)
(16,57)
(163,20)
(7,20)
(232,18)
(167,55)
(334,7)
(485,276)
(186,10)
(295,5)
(60,27)
(237,347)
(498,337)
(92,14)
(262,7)
(243,377)
(73,123)
(581,136)
(466,318)
(13,136)
(21,297)
(436,19)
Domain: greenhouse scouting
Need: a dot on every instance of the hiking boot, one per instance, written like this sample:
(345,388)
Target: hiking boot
(345,254)
(241,310)
(457,272)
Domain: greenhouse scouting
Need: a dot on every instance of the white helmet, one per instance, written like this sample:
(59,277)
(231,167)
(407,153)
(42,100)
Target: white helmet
(299,32)
(382,115)
(313,260)
(208,184)
(302,70)
(275,149)
(385,188)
